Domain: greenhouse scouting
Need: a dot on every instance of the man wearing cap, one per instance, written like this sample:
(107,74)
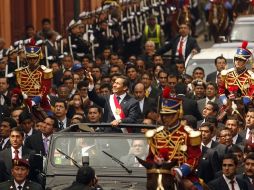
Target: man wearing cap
(34,80)
(238,82)
(20,171)
(78,45)
(175,142)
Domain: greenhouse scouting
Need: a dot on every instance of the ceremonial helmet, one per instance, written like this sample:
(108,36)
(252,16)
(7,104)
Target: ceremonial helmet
(170,105)
(33,53)
(242,52)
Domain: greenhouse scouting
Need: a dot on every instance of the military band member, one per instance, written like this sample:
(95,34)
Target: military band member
(20,171)
(175,142)
(238,82)
(34,80)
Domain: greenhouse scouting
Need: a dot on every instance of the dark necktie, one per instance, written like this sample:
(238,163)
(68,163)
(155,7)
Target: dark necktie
(16,154)
(61,125)
(232,182)
(118,99)
(19,187)
(1,144)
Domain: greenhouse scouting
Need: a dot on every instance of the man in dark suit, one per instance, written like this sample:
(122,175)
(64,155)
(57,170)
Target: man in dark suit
(138,148)
(17,150)
(50,44)
(210,159)
(220,64)
(150,90)
(248,175)
(119,107)
(5,97)
(61,114)
(20,171)
(40,141)
(228,181)
(207,130)
(190,106)
(27,124)
(249,125)
(233,124)
(4,176)
(145,104)
(182,45)
(211,95)
(5,130)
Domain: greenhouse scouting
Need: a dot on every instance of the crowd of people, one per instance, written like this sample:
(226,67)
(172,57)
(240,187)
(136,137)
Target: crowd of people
(48,83)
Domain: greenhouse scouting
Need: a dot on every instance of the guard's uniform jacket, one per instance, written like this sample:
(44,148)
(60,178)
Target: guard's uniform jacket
(35,83)
(181,144)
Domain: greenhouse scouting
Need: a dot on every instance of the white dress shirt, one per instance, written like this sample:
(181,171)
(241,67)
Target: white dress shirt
(5,141)
(236,186)
(22,184)
(184,40)
(207,100)
(49,138)
(209,145)
(235,138)
(141,104)
(13,152)
(2,100)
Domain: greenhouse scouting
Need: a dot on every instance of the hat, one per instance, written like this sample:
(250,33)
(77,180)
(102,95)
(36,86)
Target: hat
(33,51)
(76,67)
(21,162)
(243,52)
(73,24)
(11,50)
(169,104)
(198,82)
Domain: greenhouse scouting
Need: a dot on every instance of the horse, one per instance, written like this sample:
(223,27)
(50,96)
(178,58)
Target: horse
(159,177)
(234,108)
(218,20)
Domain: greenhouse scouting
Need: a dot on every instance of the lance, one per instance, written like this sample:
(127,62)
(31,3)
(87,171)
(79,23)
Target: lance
(70,46)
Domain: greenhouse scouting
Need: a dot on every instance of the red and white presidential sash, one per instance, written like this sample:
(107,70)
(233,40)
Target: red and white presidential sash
(117,110)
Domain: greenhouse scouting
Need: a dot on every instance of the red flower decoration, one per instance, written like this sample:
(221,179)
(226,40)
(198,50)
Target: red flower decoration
(166,92)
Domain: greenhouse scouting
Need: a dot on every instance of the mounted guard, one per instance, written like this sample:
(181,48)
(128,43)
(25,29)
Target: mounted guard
(237,87)
(174,151)
(34,81)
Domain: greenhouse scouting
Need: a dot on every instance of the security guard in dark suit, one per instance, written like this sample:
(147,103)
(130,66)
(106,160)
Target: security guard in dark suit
(20,171)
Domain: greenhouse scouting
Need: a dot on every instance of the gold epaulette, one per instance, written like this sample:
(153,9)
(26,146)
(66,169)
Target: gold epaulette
(194,136)
(19,69)
(250,72)
(17,72)
(48,73)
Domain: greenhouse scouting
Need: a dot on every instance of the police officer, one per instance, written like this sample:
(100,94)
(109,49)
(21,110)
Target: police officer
(20,171)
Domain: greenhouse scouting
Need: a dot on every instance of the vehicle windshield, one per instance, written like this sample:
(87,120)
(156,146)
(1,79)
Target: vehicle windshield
(124,149)
(206,64)
(240,29)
